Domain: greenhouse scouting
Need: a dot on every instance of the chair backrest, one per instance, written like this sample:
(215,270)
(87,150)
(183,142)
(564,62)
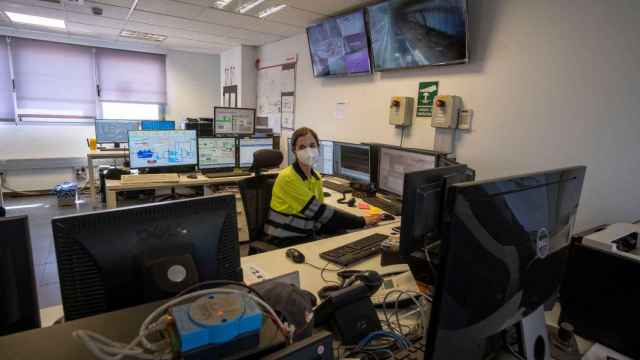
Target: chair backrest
(266,159)
(256,199)
(19,310)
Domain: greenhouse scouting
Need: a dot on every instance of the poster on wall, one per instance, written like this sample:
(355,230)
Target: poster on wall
(276,95)
(427,92)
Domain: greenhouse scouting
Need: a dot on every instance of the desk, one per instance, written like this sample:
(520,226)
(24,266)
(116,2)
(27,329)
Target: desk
(97,155)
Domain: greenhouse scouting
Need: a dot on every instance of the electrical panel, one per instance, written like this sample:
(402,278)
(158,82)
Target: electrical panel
(446,110)
(401,111)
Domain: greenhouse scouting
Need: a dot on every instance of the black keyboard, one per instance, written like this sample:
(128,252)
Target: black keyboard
(386,205)
(415,352)
(356,251)
(343,189)
(215,175)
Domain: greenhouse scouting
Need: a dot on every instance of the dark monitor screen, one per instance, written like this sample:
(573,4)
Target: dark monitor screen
(394,162)
(339,46)
(113,259)
(408,34)
(114,131)
(352,161)
(502,258)
(423,202)
(19,309)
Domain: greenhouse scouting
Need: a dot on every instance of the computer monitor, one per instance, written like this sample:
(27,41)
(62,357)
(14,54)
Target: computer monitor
(113,259)
(352,161)
(249,146)
(217,154)
(422,205)
(204,126)
(503,257)
(394,162)
(234,121)
(291,158)
(168,149)
(325,163)
(19,309)
(114,131)
(158,125)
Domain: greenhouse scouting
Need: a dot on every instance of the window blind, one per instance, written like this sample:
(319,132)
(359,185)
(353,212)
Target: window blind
(53,78)
(126,76)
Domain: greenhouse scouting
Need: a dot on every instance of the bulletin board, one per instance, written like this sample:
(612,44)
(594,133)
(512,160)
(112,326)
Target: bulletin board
(276,96)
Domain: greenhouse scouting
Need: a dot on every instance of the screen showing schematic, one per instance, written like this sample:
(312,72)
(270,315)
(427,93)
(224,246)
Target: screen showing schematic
(394,163)
(250,146)
(115,131)
(216,153)
(234,121)
(164,148)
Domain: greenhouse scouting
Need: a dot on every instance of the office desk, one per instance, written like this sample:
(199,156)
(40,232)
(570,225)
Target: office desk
(98,155)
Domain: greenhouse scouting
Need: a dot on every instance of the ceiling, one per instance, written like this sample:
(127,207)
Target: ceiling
(190,25)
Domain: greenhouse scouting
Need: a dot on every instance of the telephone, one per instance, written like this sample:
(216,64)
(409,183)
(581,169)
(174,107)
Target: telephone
(403,281)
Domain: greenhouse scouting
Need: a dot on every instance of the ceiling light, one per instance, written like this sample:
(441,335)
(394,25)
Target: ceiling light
(221,3)
(35,20)
(143,35)
(271,10)
(249,5)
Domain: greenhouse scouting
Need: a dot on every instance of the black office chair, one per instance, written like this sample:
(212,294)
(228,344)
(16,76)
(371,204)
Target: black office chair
(256,198)
(19,310)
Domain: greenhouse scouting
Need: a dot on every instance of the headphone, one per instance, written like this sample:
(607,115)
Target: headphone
(369,278)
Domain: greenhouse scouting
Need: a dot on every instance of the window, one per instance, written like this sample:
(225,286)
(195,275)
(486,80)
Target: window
(137,111)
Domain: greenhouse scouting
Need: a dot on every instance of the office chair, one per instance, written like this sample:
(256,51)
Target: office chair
(19,310)
(256,198)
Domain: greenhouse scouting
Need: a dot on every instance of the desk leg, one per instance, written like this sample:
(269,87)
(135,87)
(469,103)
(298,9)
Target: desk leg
(92,182)
(112,198)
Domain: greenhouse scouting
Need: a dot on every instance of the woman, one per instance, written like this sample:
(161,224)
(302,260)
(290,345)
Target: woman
(297,211)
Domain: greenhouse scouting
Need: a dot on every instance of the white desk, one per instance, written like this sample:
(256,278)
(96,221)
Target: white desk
(97,155)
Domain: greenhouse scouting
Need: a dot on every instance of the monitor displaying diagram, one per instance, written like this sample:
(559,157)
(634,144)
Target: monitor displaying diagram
(234,121)
(163,148)
(250,146)
(115,131)
(216,153)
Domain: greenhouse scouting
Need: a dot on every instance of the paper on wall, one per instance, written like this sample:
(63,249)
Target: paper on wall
(287,104)
(341,110)
(275,122)
(288,121)
(288,80)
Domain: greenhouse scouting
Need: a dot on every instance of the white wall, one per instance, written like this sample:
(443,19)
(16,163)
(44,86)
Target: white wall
(551,84)
(244,75)
(193,88)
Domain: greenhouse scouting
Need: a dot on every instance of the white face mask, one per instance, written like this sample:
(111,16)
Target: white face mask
(308,156)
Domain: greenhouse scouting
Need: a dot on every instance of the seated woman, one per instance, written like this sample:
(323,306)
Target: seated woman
(297,211)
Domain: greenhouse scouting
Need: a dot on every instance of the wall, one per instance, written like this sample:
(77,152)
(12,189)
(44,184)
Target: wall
(242,59)
(193,86)
(551,84)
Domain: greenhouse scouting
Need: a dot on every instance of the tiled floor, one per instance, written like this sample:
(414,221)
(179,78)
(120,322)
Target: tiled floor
(40,210)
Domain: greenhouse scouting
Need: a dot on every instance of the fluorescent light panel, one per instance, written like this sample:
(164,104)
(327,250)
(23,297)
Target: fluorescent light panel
(221,3)
(271,10)
(249,5)
(143,35)
(35,20)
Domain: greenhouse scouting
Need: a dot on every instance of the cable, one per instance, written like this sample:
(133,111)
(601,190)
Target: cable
(401,136)
(324,268)
(220,282)
(325,279)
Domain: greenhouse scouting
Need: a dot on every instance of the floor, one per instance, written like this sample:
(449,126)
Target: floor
(40,210)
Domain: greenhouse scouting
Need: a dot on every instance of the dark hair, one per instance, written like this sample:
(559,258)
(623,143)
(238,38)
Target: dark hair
(300,132)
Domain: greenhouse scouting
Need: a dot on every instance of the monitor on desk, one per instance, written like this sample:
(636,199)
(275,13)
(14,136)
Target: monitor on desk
(158,125)
(249,146)
(394,162)
(503,257)
(114,131)
(352,161)
(234,121)
(216,154)
(113,259)
(163,149)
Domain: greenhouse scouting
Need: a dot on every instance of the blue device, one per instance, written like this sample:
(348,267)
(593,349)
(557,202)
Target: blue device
(215,319)
(158,125)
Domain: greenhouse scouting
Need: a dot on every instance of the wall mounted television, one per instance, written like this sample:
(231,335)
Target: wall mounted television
(339,46)
(415,33)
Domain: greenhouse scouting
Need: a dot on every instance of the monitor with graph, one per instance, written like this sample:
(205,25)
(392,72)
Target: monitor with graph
(114,131)
(234,121)
(250,146)
(216,154)
(162,148)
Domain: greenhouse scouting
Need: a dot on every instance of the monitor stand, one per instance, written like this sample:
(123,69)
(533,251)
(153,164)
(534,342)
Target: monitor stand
(534,338)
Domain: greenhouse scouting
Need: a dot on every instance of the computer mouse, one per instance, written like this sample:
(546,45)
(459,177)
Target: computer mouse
(295,255)
(386,217)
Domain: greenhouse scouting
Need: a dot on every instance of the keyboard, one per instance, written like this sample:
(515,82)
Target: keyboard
(149,178)
(343,189)
(392,208)
(415,352)
(355,251)
(214,175)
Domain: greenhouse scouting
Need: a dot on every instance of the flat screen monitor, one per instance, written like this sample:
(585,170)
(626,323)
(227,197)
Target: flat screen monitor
(18,299)
(325,163)
(352,162)
(114,259)
(158,125)
(234,121)
(114,131)
(291,158)
(339,46)
(407,34)
(503,257)
(162,148)
(393,163)
(216,154)
(250,146)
